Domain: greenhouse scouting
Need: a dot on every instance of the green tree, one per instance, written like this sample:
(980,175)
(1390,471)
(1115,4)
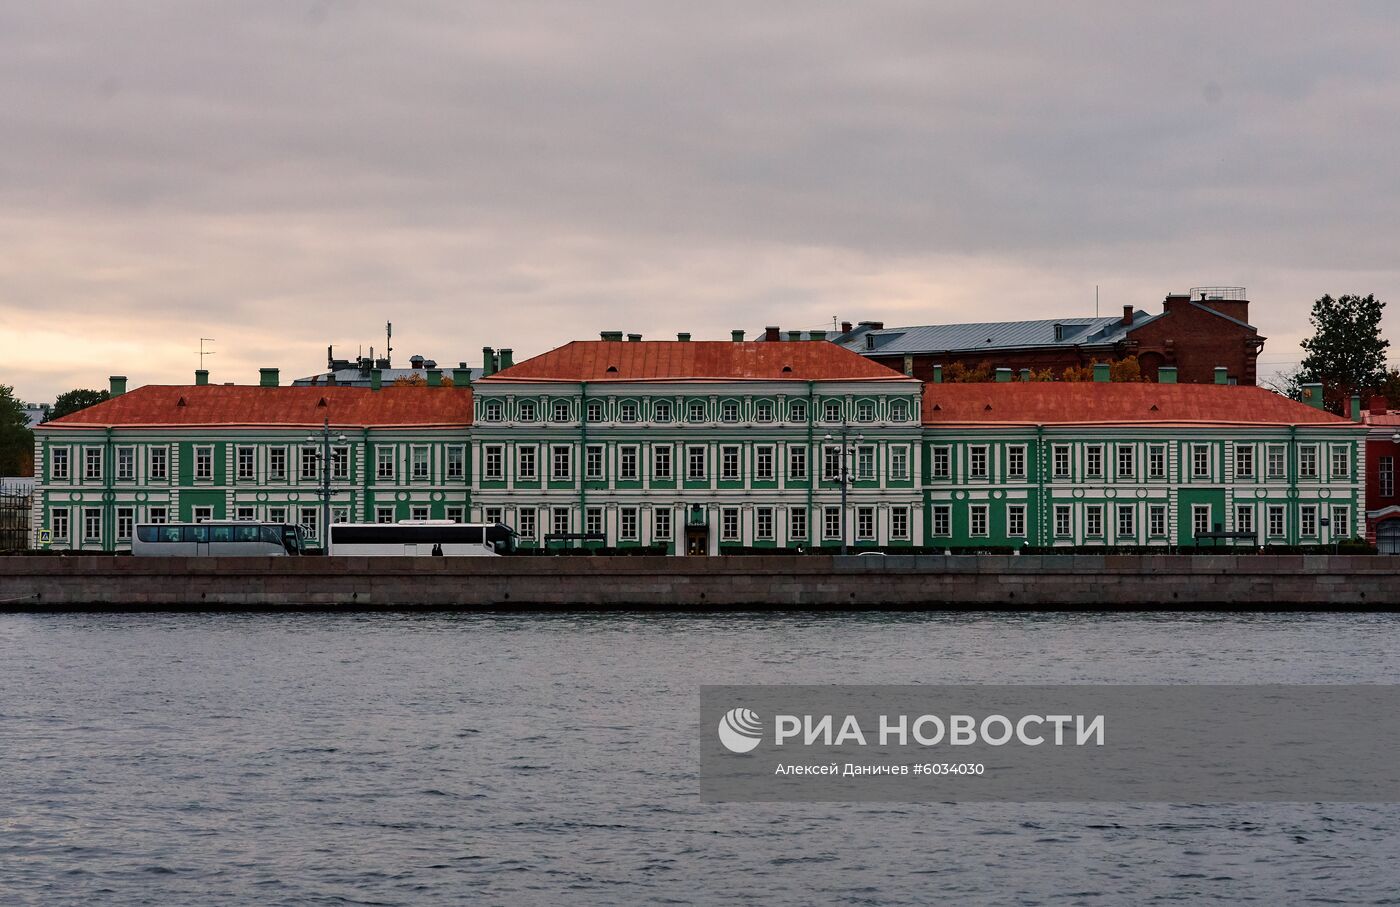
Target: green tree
(16,440)
(1346,352)
(70,402)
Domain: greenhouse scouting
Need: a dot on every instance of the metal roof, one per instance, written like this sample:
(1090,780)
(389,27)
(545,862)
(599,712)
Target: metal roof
(997,335)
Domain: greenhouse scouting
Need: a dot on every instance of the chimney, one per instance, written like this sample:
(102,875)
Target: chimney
(1356,407)
(1166,374)
(505,358)
(938,374)
(845,327)
(611,336)
(634,338)
(1101,372)
(794,335)
(118,385)
(462,376)
(1312,396)
(1379,405)
(683,337)
(434,377)
(909,364)
(488,362)
(1025,374)
(737,336)
(1003,375)
(1222,375)
(267,377)
(873,325)
(376,379)
(772,334)
(1127,315)
(415,362)
(201,376)
(816,335)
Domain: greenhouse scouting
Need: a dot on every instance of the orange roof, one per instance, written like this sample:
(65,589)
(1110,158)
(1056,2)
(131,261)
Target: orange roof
(713,360)
(216,404)
(1093,402)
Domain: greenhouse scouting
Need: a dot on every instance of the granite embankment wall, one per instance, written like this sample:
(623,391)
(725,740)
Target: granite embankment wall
(1111,582)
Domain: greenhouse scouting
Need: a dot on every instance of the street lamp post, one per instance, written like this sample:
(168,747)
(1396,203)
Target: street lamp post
(324,492)
(845,435)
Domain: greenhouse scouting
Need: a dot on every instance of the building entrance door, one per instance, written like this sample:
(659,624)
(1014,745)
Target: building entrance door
(1388,537)
(697,541)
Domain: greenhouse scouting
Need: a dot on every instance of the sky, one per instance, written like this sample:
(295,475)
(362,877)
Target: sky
(284,175)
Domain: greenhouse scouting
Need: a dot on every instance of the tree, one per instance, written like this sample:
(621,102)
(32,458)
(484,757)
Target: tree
(1287,383)
(70,402)
(16,440)
(413,380)
(1346,352)
(957,373)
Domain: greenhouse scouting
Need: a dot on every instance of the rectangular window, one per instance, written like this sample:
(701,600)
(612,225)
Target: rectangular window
(797,464)
(1064,524)
(865,463)
(627,524)
(245,463)
(729,411)
(627,411)
(58,463)
(763,523)
(1157,461)
(1200,519)
(1157,520)
(340,515)
(277,515)
(594,412)
(1093,461)
(202,514)
(1060,461)
(627,463)
(456,462)
(1016,461)
(1277,526)
(1341,521)
(831,463)
(1244,517)
(204,462)
(1200,461)
(58,524)
(527,411)
(457,514)
(277,463)
(159,463)
(310,519)
(420,462)
(1307,461)
(1387,477)
(593,520)
(942,462)
(865,524)
(126,463)
(126,518)
(92,463)
(526,463)
(763,463)
(977,519)
(763,411)
(418,513)
(157,515)
(525,522)
(661,524)
(92,524)
(797,412)
(729,524)
(340,463)
(1127,521)
(1277,462)
(899,463)
(245,514)
(493,462)
(593,461)
(797,522)
(942,519)
(560,520)
(1127,461)
(1307,520)
(831,522)
(561,463)
(1244,462)
(662,411)
(661,463)
(1093,520)
(1016,520)
(729,463)
(1341,462)
(308,463)
(977,461)
(384,514)
(696,411)
(899,523)
(384,462)
(695,462)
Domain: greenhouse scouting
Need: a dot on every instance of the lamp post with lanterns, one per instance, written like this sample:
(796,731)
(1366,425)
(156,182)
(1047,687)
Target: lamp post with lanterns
(324,492)
(845,474)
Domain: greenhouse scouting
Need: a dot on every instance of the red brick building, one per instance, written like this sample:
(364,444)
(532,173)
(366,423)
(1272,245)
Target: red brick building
(1382,454)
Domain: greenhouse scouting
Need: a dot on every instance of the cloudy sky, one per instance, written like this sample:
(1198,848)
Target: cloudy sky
(281,175)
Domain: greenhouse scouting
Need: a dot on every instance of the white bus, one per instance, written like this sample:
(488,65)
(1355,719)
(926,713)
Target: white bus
(414,538)
(218,538)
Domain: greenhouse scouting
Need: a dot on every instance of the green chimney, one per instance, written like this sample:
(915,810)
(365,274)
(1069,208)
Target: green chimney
(118,385)
(1101,372)
(267,377)
(1222,375)
(201,376)
(1312,396)
(1166,374)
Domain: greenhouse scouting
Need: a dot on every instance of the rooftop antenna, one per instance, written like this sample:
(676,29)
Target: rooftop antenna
(202,352)
(389,344)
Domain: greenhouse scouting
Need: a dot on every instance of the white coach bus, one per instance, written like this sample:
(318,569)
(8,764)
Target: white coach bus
(218,538)
(412,538)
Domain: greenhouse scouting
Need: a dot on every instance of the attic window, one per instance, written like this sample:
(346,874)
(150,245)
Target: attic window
(987,408)
(612,370)
(322,402)
(787,370)
(989,340)
(180,402)
(1154,407)
(937,408)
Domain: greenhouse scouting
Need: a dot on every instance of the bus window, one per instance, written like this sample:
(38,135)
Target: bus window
(150,533)
(272,534)
(291,539)
(220,533)
(246,533)
(170,534)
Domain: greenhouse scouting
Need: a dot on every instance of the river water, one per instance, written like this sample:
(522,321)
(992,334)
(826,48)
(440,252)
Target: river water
(326,758)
